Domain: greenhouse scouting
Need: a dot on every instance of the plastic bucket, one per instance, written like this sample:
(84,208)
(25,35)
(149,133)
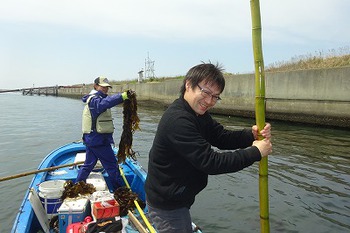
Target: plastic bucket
(50,193)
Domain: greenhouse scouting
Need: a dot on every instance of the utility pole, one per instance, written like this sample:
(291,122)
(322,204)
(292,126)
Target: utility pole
(149,68)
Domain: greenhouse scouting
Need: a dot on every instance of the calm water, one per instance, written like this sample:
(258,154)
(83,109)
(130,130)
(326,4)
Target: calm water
(309,170)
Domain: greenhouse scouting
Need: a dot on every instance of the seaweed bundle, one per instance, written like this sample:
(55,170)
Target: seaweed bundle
(130,124)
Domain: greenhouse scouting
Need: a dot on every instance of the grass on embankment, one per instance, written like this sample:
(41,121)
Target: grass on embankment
(320,60)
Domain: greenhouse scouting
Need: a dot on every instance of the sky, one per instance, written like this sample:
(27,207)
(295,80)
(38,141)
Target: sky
(69,42)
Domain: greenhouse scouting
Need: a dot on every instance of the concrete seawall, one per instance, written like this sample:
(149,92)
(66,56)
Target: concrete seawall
(317,96)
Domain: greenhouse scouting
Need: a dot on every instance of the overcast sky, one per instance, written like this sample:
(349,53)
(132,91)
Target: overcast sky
(66,42)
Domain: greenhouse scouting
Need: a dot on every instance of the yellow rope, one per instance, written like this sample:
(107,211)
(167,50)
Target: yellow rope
(149,226)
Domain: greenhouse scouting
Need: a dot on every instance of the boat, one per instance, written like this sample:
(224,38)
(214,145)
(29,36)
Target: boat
(62,165)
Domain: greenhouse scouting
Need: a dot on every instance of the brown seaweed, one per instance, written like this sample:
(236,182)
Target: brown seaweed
(130,124)
(125,198)
(54,224)
(74,190)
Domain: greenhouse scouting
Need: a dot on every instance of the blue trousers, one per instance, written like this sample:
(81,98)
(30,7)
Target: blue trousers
(170,221)
(108,160)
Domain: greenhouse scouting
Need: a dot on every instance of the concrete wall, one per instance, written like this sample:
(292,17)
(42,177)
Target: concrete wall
(318,96)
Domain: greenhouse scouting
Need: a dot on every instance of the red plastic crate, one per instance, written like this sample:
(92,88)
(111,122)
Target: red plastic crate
(105,209)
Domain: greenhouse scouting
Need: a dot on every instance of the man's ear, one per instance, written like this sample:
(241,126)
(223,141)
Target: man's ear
(187,85)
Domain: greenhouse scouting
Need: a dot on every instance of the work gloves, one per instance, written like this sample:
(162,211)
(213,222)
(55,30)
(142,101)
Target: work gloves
(127,94)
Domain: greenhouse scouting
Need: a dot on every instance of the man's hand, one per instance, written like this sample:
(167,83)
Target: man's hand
(125,95)
(265,132)
(264,146)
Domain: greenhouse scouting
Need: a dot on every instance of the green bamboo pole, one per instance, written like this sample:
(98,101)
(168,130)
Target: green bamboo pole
(260,112)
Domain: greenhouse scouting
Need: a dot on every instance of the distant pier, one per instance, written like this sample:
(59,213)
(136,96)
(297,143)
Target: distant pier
(51,90)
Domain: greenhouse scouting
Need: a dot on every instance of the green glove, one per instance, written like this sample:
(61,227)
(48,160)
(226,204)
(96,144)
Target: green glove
(125,95)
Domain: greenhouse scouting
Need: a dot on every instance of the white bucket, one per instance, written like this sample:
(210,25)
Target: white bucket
(50,193)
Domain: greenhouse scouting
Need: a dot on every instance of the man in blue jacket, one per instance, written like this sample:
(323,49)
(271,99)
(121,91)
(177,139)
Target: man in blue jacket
(98,128)
(182,157)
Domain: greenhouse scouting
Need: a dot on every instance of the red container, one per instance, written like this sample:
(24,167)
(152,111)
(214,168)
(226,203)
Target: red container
(105,209)
(75,227)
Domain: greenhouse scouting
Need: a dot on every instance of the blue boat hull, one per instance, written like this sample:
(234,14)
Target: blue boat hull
(26,220)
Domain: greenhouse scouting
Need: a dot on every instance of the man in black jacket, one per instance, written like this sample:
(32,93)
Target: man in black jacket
(181,157)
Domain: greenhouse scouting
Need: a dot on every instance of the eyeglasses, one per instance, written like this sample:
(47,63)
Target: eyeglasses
(205,93)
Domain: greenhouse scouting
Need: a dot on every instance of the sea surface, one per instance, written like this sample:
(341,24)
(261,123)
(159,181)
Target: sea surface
(309,168)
